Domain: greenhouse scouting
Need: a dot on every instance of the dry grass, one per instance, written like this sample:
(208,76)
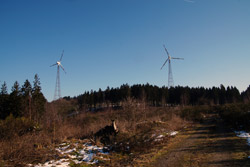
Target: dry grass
(30,148)
(176,123)
(136,122)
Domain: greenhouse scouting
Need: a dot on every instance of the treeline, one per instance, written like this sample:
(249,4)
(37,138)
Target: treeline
(28,100)
(161,96)
(25,100)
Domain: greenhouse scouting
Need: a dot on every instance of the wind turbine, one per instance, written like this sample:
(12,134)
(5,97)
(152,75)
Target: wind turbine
(57,94)
(170,75)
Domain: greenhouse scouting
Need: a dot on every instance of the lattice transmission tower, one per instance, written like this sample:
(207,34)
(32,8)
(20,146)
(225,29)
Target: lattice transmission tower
(57,94)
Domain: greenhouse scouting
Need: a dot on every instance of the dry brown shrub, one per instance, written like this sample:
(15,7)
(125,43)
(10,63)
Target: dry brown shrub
(54,128)
(29,148)
(127,118)
(176,122)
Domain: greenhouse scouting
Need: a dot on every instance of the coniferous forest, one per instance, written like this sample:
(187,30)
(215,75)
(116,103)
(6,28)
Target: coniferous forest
(162,96)
(23,101)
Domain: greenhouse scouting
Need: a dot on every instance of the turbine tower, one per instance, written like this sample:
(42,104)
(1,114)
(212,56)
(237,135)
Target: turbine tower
(57,94)
(170,75)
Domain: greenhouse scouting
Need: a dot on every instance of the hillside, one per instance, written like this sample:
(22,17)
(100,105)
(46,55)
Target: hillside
(148,136)
(154,125)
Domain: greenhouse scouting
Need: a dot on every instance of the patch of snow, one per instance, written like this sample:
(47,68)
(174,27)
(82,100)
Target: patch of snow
(72,156)
(64,144)
(77,153)
(88,157)
(173,133)
(106,159)
(160,122)
(94,162)
(64,151)
(59,163)
(243,134)
(159,137)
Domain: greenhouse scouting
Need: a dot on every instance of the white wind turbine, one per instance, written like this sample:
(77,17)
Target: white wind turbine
(170,75)
(57,94)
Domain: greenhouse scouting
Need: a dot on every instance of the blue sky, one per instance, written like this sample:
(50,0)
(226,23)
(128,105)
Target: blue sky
(112,42)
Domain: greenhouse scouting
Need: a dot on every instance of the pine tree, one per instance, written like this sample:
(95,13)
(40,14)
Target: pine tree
(16,89)
(4,90)
(36,85)
(26,98)
(15,101)
(4,102)
(222,94)
(26,88)
(100,97)
(38,100)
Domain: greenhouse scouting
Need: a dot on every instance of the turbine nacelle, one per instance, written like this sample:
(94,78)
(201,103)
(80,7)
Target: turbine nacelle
(169,57)
(59,64)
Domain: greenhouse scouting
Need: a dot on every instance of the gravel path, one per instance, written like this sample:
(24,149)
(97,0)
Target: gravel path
(208,144)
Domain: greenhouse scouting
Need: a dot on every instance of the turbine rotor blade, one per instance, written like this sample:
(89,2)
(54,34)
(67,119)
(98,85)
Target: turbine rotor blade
(164,63)
(166,50)
(62,68)
(53,65)
(177,58)
(61,55)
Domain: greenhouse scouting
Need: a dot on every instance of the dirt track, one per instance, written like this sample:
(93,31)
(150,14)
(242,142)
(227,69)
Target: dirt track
(208,144)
